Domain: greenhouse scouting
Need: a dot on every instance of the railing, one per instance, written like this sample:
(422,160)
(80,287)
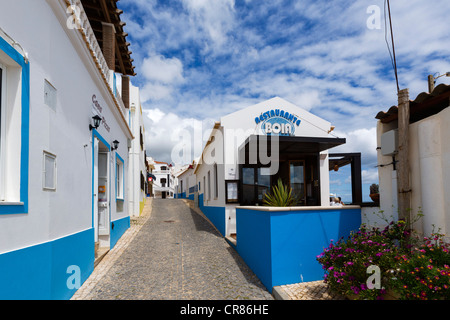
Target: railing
(159,188)
(95,49)
(161,171)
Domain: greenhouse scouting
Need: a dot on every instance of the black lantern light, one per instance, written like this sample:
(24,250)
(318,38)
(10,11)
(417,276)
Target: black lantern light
(97,120)
(115,145)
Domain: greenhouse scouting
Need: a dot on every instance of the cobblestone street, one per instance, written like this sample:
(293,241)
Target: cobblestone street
(172,253)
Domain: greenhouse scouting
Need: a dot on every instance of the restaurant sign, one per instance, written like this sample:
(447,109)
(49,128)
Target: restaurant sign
(278,122)
(97,109)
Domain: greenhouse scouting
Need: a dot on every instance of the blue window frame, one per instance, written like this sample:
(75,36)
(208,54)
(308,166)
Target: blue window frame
(20,207)
(120,178)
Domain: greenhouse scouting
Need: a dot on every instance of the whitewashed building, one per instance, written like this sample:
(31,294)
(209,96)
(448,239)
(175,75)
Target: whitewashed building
(186,183)
(429,161)
(63,191)
(163,181)
(250,149)
(138,165)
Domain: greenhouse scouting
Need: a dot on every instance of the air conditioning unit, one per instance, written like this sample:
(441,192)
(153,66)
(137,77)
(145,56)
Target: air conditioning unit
(389,143)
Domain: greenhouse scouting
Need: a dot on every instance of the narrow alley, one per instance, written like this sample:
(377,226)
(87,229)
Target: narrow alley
(175,255)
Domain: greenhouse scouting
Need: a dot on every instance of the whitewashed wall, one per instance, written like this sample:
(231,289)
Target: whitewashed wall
(234,129)
(56,55)
(430,173)
(136,154)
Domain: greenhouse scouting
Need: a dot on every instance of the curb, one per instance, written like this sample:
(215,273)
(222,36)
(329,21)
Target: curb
(279,294)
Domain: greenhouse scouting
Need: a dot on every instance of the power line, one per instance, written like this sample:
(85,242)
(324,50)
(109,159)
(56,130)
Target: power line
(393,58)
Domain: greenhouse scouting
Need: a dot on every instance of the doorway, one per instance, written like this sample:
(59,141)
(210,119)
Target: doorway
(101,196)
(297,179)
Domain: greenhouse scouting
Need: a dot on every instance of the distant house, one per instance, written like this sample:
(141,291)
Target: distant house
(429,159)
(163,183)
(186,183)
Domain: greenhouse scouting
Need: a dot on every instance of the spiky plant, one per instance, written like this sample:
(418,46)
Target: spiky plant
(280,196)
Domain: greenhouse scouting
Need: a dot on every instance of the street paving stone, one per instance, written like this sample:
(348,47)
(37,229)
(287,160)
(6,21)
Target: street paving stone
(172,253)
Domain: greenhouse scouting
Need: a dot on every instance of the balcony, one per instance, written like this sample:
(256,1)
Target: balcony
(90,38)
(161,171)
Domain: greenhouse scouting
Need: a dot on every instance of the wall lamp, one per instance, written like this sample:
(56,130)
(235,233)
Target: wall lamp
(115,145)
(97,120)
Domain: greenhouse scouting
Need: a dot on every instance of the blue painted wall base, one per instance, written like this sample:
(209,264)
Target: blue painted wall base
(281,246)
(41,272)
(215,214)
(120,226)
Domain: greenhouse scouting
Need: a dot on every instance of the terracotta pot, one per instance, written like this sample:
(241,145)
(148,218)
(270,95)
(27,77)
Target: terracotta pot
(375,197)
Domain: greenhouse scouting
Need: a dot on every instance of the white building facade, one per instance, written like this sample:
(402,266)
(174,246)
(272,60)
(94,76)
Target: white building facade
(138,166)
(186,183)
(429,159)
(63,176)
(249,150)
(163,181)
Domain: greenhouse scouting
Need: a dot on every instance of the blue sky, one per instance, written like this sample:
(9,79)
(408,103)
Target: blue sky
(198,60)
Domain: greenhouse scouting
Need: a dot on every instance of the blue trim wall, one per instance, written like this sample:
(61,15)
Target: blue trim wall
(215,214)
(25,130)
(40,272)
(281,247)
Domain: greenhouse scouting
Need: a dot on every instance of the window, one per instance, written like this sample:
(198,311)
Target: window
(255,184)
(49,172)
(209,185)
(14,129)
(297,179)
(2,128)
(120,178)
(216,182)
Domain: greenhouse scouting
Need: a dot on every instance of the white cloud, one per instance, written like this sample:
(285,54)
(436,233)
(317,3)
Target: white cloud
(369,176)
(360,140)
(155,92)
(163,70)
(320,55)
(212,19)
(162,77)
(166,133)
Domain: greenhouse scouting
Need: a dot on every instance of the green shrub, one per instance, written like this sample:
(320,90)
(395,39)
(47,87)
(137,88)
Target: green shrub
(280,196)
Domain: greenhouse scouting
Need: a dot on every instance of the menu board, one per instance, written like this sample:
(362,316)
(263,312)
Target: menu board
(232,191)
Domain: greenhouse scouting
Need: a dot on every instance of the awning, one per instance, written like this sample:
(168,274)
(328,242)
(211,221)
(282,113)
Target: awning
(289,144)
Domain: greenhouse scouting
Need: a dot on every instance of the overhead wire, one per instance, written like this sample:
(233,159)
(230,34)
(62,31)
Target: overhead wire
(392,55)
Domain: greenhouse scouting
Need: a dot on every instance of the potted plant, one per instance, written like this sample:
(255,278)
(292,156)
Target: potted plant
(281,196)
(374,193)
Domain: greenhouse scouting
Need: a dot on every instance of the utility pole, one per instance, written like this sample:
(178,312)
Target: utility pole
(430,83)
(432,80)
(403,170)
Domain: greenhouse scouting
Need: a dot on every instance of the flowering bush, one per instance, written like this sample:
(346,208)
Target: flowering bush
(409,268)
(424,273)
